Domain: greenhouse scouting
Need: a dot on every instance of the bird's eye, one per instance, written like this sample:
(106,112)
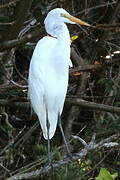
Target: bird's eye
(62,15)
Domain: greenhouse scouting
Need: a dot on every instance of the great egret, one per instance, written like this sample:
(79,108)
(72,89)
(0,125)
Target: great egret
(49,69)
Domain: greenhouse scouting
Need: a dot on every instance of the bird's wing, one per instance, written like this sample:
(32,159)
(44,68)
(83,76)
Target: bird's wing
(47,88)
(36,94)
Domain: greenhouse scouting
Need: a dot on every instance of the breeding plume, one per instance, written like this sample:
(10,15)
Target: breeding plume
(49,69)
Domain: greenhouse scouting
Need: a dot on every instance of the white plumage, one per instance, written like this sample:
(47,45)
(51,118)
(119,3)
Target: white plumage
(49,68)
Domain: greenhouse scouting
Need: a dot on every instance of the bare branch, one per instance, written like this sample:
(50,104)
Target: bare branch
(69,100)
(6,5)
(19,41)
(80,139)
(21,13)
(95,7)
(92,105)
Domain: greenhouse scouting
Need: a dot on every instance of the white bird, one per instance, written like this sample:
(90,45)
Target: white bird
(49,70)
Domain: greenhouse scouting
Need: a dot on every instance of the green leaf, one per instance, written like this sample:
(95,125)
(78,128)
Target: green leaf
(105,175)
(73,38)
(114,175)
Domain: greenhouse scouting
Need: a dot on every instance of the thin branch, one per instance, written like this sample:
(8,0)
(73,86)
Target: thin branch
(27,27)
(19,41)
(86,67)
(12,3)
(21,12)
(80,139)
(95,7)
(108,27)
(115,12)
(18,85)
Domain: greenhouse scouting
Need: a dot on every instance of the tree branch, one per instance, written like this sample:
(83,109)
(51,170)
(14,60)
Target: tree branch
(21,10)
(92,105)
(66,160)
(70,100)
(6,5)
(19,41)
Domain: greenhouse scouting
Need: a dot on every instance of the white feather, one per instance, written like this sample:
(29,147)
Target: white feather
(48,73)
(48,81)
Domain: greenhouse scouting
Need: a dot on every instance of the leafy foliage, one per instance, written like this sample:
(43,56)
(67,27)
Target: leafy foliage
(105,175)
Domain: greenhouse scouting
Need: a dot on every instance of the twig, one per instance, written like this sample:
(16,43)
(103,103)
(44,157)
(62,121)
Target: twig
(27,28)
(95,7)
(18,85)
(7,170)
(80,139)
(109,27)
(85,68)
(9,4)
(18,72)
(107,140)
(19,41)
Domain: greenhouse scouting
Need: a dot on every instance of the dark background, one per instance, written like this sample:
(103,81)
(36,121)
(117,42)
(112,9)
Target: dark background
(94,78)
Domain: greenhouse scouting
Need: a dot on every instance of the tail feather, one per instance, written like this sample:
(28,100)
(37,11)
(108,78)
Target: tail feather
(53,118)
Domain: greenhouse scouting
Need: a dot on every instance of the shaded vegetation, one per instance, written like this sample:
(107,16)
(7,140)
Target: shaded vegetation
(94,78)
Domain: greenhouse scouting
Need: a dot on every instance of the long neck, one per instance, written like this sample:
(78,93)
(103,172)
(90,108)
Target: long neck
(63,43)
(63,36)
(62,33)
(59,31)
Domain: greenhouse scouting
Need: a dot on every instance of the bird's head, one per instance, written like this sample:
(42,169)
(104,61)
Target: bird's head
(59,16)
(62,16)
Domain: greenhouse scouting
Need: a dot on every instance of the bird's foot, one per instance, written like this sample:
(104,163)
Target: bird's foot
(51,169)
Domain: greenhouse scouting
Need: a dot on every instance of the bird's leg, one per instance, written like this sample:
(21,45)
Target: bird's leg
(49,152)
(48,129)
(63,135)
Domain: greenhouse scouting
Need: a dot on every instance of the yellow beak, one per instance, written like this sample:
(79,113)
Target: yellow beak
(74,19)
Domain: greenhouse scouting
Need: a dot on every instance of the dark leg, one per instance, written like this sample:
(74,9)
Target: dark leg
(48,129)
(62,132)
